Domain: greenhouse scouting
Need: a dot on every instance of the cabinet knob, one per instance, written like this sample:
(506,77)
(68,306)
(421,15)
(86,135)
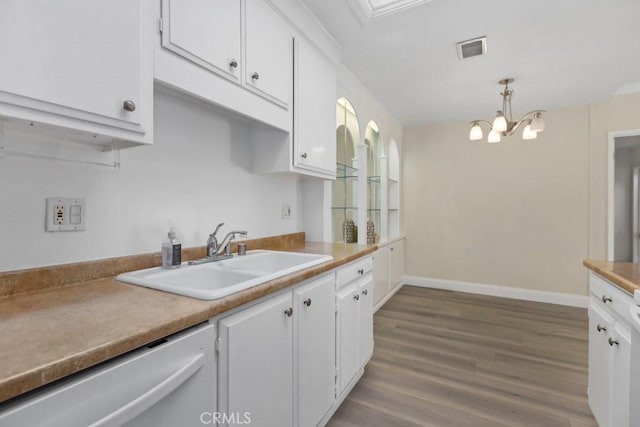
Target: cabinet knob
(307,302)
(255,76)
(361,271)
(606,299)
(601,328)
(304,155)
(233,63)
(613,342)
(289,312)
(129,105)
(356,297)
(365,292)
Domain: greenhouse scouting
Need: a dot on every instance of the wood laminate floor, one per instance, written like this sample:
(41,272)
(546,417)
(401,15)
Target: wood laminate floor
(453,359)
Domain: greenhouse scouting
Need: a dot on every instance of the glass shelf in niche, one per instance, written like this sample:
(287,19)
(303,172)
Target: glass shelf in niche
(374,179)
(344,208)
(344,171)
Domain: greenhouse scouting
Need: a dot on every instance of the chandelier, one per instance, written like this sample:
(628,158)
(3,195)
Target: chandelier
(504,125)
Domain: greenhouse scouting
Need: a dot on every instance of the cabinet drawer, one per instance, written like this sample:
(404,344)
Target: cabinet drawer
(354,270)
(610,296)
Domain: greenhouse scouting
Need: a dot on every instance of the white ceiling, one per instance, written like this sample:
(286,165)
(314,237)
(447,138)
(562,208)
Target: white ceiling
(560,52)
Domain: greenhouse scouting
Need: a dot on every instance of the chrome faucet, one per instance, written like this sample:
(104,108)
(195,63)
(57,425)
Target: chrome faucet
(212,242)
(226,242)
(219,251)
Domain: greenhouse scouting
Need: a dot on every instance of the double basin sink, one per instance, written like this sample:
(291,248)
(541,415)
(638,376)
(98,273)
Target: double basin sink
(218,279)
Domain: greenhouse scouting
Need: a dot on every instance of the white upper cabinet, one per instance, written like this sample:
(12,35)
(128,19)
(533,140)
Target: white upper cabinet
(206,32)
(268,53)
(314,116)
(80,65)
(236,54)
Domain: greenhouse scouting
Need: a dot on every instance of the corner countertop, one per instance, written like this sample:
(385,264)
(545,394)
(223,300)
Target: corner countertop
(626,275)
(48,333)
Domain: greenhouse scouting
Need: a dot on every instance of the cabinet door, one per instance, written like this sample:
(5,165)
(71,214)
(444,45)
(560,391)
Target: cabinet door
(365,320)
(600,327)
(380,274)
(315,111)
(256,367)
(77,59)
(396,263)
(620,347)
(268,53)
(347,351)
(314,343)
(206,32)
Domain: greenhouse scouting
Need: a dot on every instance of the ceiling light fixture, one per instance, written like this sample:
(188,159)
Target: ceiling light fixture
(504,125)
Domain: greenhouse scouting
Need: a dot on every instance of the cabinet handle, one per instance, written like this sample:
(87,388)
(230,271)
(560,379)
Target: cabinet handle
(255,76)
(361,271)
(356,297)
(304,155)
(613,342)
(606,299)
(129,105)
(307,302)
(391,249)
(233,63)
(365,292)
(289,312)
(601,328)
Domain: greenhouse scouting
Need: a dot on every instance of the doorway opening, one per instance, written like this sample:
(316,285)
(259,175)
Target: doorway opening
(624,196)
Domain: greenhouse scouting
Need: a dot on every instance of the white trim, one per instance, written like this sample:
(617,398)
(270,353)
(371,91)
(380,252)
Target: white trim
(499,291)
(611,168)
(367,10)
(387,297)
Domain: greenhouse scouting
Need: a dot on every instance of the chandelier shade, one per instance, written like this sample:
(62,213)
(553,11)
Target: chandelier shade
(503,124)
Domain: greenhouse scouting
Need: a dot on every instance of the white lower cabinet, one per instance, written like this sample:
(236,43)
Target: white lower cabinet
(609,354)
(255,363)
(389,268)
(355,320)
(380,274)
(396,263)
(277,349)
(314,350)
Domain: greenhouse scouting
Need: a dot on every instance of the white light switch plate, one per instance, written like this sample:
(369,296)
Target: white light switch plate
(65,214)
(287,211)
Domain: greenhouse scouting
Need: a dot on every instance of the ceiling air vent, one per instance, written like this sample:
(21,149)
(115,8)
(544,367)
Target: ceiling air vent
(473,47)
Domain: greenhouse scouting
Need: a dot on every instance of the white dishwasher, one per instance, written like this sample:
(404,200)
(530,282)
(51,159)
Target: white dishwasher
(171,382)
(634,417)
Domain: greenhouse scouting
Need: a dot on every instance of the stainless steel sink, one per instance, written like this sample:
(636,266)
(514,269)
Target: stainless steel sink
(218,279)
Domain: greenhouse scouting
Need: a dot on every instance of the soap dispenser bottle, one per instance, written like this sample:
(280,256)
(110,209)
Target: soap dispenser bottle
(171,250)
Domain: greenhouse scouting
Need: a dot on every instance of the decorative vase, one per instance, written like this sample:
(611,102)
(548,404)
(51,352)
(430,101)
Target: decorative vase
(371,232)
(349,233)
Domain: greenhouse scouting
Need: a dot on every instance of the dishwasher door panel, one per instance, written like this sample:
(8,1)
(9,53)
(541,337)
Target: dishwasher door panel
(171,382)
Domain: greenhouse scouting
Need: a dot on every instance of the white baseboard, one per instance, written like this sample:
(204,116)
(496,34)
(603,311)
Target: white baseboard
(499,291)
(387,297)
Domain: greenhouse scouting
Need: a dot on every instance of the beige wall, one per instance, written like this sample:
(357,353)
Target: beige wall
(532,211)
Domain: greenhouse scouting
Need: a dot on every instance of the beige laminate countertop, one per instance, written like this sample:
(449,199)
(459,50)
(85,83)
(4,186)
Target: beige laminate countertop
(624,274)
(50,333)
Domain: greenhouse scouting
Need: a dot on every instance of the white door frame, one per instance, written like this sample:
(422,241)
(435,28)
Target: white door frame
(611,200)
(636,215)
